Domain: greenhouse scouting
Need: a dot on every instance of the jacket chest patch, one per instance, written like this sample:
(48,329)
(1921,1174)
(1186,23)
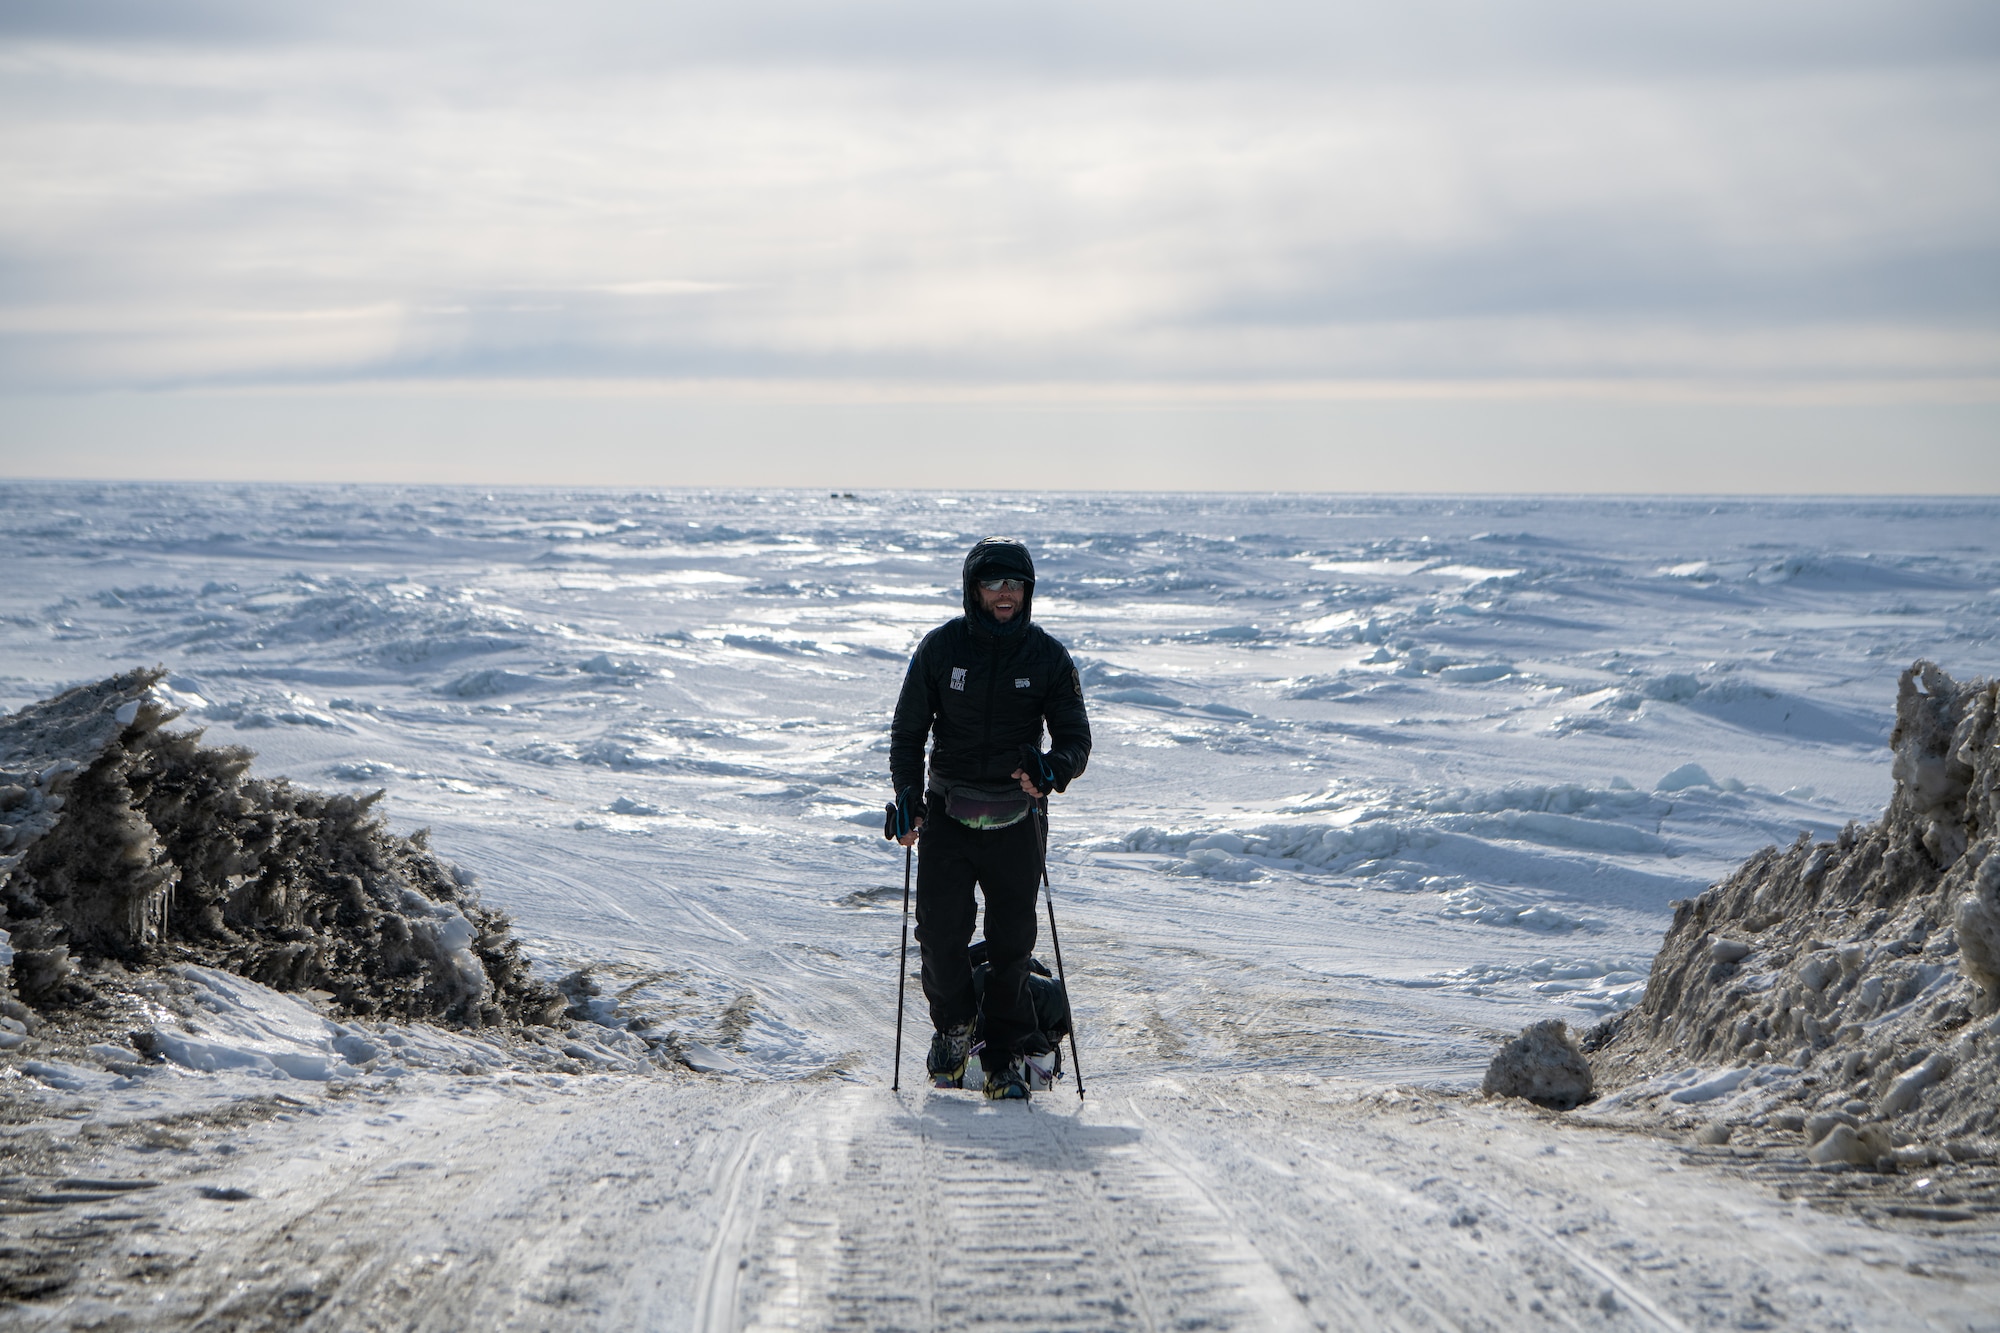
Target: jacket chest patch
(958,678)
(1020,682)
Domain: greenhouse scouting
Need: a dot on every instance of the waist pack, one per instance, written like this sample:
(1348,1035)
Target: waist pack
(982,808)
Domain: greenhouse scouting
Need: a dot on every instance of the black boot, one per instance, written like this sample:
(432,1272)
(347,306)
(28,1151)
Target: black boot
(949,1050)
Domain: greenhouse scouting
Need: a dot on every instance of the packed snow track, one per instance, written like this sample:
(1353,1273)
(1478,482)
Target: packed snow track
(1166,1203)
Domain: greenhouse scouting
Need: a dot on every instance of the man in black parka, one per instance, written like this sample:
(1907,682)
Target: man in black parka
(981,687)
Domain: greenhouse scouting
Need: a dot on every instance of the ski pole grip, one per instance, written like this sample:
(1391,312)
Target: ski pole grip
(889,821)
(1036,765)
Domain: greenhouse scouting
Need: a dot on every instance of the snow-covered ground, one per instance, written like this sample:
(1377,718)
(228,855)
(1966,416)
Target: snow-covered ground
(1377,781)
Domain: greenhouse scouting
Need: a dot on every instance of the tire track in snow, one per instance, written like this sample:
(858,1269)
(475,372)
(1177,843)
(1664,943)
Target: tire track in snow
(715,1299)
(1633,1297)
(1384,1254)
(623,1203)
(1408,1209)
(953,1213)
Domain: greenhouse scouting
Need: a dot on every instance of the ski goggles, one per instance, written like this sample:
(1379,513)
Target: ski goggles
(1002,585)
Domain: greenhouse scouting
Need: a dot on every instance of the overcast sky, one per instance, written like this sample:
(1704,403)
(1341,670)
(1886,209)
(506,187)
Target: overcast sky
(1546,245)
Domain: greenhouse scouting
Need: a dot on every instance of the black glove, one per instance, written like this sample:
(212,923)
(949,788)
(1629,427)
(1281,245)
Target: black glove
(1041,772)
(901,815)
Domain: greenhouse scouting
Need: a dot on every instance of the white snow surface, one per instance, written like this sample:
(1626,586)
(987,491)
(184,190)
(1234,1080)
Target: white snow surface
(1377,782)
(250,1027)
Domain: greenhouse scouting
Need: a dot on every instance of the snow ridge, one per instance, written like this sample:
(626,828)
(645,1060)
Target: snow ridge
(139,846)
(1849,986)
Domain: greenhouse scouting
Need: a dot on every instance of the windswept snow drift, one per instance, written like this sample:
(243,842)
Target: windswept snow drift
(125,843)
(1846,990)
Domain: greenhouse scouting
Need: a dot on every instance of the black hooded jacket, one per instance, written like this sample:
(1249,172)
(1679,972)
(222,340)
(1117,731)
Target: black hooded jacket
(980,690)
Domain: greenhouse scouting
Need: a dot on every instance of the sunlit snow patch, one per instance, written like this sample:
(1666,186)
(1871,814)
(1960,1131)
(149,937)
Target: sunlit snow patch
(1456,830)
(1600,985)
(1488,906)
(252,1029)
(180,692)
(1148,698)
(1701,1085)
(1472,573)
(1327,624)
(1370,568)
(290,709)
(1476,673)
(367,770)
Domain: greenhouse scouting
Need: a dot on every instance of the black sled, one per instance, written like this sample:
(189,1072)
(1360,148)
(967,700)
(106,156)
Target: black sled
(1052,1016)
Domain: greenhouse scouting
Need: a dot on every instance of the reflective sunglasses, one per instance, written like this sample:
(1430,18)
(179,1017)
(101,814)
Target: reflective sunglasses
(1001,585)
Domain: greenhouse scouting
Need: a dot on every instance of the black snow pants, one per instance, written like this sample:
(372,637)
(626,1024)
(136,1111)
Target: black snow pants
(1006,864)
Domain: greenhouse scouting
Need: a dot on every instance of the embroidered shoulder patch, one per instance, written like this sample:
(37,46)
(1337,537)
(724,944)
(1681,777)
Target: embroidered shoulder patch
(1020,682)
(958,678)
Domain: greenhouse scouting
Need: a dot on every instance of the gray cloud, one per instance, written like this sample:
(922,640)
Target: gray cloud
(221,194)
(1422,37)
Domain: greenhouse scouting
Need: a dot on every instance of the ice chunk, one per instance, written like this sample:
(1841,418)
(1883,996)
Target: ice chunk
(1476,674)
(1905,1091)
(355,1047)
(66,1077)
(1978,920)
(1715,1085)
(1728,951)
(1544,1064)
(1217,863)
(1687,775)
(1856,1147)
(451,936)
(1674,688)
(604,664)
(1824,1124)
(484,684)
(1491,907)
(625,805)
(706,1060)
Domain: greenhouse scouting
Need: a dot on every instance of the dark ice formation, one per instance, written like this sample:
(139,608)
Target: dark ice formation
(122,842)
(1544,1064)
(1868,965)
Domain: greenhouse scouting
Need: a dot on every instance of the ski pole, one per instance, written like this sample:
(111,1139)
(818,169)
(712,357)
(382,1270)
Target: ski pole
(902,974)
(1056,940)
